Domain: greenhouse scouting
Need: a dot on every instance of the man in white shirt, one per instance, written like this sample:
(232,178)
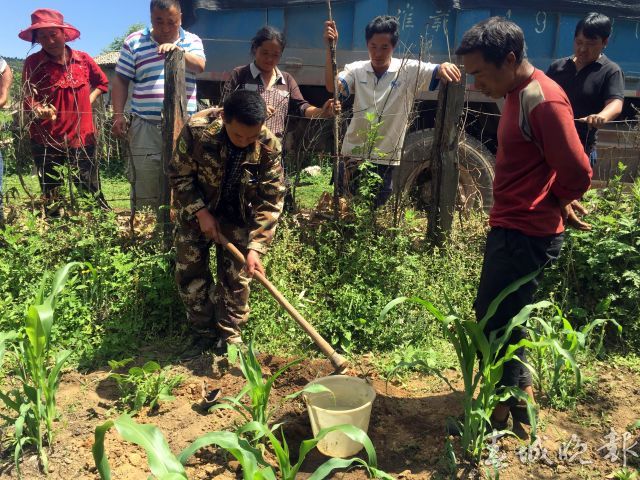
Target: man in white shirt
(384,89)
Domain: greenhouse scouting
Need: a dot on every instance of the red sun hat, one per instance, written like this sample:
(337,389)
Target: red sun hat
(47,18)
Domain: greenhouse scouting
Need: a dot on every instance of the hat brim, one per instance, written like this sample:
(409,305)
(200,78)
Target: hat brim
(70,32)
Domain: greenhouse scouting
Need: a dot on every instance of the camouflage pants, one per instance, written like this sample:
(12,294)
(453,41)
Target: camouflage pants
(225,305)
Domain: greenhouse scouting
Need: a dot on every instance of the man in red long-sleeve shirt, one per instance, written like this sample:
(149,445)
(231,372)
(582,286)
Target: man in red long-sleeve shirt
(541,169)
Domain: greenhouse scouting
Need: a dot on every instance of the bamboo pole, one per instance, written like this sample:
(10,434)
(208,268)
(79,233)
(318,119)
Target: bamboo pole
(337,181)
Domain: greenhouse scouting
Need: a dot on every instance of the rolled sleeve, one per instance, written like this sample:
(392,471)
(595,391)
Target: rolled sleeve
(427,74)
(267,208)
(182,173)
(435,81)
(346,81)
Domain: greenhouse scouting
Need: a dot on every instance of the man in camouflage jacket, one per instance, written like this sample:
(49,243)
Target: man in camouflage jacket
(226,178)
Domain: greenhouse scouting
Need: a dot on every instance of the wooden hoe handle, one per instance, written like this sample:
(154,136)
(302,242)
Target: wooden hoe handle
(337,360)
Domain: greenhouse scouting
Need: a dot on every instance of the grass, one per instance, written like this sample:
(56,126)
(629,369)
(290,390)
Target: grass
(309,189)
(628,360)
(116,189)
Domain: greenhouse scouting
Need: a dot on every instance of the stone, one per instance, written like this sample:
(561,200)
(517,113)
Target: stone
(135,459)
(312,171)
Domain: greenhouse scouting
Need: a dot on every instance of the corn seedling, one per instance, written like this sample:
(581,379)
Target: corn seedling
(31,406)
(472,346)
(556,335)
(164,465)
(258,388)
(146,385)
(625,474)
(289,471)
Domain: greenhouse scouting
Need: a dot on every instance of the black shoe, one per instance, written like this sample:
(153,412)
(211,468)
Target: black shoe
(199,344)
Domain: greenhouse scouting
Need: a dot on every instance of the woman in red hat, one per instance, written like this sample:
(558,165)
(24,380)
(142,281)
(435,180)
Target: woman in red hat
(59,85)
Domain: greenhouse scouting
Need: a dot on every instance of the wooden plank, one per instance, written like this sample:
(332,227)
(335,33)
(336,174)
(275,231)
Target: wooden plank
(173,119)
(444,161)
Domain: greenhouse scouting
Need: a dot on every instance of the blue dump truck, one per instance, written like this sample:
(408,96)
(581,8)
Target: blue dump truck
(430,29)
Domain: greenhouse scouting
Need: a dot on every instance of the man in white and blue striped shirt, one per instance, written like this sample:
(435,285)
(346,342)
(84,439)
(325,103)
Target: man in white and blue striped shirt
(142,61)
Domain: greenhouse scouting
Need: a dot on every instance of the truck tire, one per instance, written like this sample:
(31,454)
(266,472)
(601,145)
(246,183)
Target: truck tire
(476,166)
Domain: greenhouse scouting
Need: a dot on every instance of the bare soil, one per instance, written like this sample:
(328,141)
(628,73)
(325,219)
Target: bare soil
(407,425)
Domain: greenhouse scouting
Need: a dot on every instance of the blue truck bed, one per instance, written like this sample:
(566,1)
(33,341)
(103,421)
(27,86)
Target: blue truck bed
(227,27)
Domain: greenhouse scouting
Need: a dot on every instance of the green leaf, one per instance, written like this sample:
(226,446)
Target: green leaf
(136,372)
(46,310)
(355,434)
(53,379)
(248,457)
(313,388)
(325,469)
(390,306)
(161,460)
(151,367)
(232,353)
(99,457)
(4,338)
(163,397)
(493,306)
(117,364)
(34,329)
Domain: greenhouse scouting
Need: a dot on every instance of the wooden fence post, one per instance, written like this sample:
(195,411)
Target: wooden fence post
(174,115)
(444,161)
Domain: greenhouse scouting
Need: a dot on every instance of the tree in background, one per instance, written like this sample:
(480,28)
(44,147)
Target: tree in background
(117,42)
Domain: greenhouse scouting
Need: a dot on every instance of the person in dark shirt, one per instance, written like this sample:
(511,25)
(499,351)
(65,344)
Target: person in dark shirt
(593,83)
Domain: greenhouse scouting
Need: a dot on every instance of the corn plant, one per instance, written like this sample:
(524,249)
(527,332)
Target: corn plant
(481,393)
(625,474)
(164,465)
(146,385)
(554,370)
(257,388)
(31,406)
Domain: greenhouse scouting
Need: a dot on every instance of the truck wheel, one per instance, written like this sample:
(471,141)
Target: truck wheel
(476,166)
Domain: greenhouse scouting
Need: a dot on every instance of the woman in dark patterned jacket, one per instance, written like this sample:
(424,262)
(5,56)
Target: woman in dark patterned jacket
(279,89)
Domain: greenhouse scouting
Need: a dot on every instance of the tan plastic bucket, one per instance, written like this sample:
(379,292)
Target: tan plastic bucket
(349,403)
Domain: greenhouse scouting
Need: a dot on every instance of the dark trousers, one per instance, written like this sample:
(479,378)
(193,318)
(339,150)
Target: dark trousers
(84,170)
(350,177)
(510,255)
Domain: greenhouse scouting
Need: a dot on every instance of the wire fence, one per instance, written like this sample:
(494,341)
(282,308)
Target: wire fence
(306,142)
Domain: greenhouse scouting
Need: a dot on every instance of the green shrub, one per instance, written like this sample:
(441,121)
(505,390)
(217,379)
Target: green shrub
(599,270)
(147,385)
(133,297)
